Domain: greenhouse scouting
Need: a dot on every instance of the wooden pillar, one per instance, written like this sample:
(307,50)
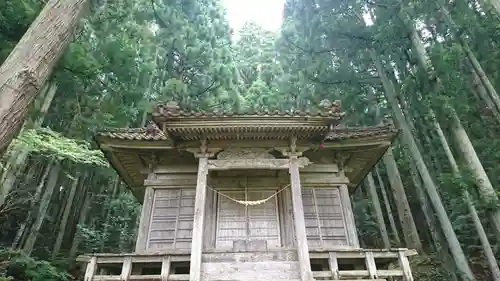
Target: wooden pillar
(199,215)
(300,224)
(352,233)
(405,266)
(91,269)
(144,222)
(126,269)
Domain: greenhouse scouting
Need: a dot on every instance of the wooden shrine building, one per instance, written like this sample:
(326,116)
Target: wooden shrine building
(246,197)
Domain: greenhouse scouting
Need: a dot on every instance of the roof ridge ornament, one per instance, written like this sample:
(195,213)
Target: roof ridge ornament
(172,107)
(330,107)
(387,121)
(152,129)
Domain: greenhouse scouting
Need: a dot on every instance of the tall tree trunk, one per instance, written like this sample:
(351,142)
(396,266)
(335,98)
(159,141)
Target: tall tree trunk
(428,182)
(482,95)
(476,65)
(378,211)
(64,219)
(21,232)
(442,248)
(495,270)
(42,210)
(116,186)
(465,145)
(388,208)
(31,62)
(81,221)
(470,157)
(404,212)
(495,4)
(18,159)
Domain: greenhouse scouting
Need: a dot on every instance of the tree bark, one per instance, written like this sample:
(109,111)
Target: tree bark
(470,157)
(482,95)
(440,245)
(378,211)
(410,232)
(81,221)
(473,162)
(18,159)
(29,65)
(483,237)
(42,210)
(21,232)
(388,208)
(428,182)
(476,65)
(64,219)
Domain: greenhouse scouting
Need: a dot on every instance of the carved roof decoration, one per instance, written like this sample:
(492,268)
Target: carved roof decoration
(337,134)
(172,110)
(151,132)
(232,153)
(361,132)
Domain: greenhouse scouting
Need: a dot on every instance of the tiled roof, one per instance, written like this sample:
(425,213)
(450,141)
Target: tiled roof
(358,132)
(168,110)
(151,132)
(336,135)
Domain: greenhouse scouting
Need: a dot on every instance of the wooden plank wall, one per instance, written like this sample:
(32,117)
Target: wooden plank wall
(240,222)
(325,224)
(171,217)
(171,223)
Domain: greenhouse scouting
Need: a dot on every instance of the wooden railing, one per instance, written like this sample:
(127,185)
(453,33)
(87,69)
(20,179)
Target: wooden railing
(365,264)
(343,264)
(130,267)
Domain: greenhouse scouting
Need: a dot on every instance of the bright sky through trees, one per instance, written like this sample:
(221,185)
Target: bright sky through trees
(267,13)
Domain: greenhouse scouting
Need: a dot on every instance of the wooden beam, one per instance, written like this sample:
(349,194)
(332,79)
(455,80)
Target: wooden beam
(142,233)
(352,233)
(199,216)
(255,163)
(300,224)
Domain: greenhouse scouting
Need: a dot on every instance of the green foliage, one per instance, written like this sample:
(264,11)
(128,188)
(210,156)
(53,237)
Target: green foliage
(428,268)
(15,265)
(55,145)
(128,55)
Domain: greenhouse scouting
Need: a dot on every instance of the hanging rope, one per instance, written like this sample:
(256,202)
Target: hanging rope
(249,203)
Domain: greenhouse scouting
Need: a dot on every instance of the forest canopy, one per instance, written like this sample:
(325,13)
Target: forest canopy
(431,66)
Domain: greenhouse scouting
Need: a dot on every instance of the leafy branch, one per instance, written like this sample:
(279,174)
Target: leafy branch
(55,145)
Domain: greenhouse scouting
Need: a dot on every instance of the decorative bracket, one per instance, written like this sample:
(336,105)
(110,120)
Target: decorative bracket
(204,150)
(250,158)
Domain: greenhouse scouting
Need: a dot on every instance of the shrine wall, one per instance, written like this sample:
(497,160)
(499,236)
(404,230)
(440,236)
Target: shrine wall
(170,206)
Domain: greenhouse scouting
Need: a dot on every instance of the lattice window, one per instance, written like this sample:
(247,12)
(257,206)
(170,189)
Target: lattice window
(239,222)
(172,219)
(324,217)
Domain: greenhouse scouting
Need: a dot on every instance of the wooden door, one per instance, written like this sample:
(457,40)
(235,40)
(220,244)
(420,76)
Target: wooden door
(324,217)
(231,220)
(239,222)
(171,224)
(263,219)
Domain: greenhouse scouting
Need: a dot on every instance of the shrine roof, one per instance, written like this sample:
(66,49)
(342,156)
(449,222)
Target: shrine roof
(360,132)
(143,134)
(173,132)
(153,133)
(169,110)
